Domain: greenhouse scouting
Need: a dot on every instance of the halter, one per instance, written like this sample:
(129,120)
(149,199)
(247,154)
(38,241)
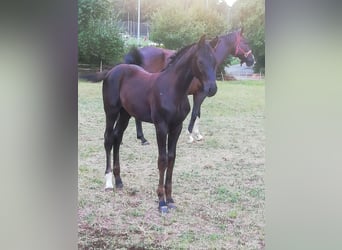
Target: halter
(238,48)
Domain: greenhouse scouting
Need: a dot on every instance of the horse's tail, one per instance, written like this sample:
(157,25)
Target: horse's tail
(95,77)
(134,57)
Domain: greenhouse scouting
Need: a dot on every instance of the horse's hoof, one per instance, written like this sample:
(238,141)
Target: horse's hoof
(109,189)
(171,205)
(163,209)
(119,186)
(191,139)
(199,138)
(145,143)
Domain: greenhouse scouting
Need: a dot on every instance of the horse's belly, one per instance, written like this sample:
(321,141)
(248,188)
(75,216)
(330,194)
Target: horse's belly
(140,112)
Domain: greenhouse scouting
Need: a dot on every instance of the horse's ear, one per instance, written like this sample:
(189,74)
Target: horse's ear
(201,42)
(241,31)
(214,42)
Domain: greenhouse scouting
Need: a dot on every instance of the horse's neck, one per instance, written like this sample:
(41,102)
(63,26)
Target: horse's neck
(184,75)
(225,48)
(179,74)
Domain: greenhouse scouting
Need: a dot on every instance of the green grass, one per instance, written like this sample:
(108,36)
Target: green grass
(233,214)
(256,193)
(186,240)
(83,169)
(214,237)
(218,183)
(235,99)
(224,194)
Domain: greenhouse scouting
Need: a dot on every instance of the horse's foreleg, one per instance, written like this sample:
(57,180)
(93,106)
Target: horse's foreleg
(120,127)
(193,128)
(140,134)
(171,155)
(108,144)
(161,132)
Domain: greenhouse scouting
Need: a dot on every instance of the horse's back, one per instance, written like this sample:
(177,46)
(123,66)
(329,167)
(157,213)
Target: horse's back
(154,58)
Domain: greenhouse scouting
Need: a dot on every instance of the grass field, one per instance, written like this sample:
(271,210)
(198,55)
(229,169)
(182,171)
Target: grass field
(218,183)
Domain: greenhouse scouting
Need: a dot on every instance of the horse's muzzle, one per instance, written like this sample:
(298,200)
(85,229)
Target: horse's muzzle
(250,63)
(211,89)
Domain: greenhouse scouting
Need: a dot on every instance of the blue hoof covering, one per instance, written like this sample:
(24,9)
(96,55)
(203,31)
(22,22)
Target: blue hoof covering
(163,207)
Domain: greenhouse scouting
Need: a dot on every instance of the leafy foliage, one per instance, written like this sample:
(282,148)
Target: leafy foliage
(176,26)
(98,36)
(173,28)
(214,24)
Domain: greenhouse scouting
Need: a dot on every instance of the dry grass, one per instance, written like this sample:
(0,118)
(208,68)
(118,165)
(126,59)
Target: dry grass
(218,183)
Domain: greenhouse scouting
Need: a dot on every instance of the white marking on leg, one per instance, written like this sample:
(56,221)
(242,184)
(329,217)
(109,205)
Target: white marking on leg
(197,133)
(199,137)
(109,181)
(191,138)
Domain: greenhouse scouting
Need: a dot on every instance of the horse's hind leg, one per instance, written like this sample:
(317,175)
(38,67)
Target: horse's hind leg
(120,128)
(140,134)
(108,144)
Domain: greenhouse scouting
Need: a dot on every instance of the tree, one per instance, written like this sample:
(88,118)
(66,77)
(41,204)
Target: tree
(100,42)
(130,7)
(99,38)
(213,23)
(174,28)
(178,24)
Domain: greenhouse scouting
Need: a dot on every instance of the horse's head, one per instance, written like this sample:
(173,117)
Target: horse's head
(204,65)
(242,49)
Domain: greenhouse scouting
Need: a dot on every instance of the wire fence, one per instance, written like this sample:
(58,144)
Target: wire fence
(243,73)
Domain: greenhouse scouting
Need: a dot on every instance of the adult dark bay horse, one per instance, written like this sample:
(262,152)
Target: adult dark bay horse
(158,98)
(155,59)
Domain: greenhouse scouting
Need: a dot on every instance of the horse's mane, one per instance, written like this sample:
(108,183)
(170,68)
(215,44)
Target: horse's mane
(230,36)
(175,57)
(133,57)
